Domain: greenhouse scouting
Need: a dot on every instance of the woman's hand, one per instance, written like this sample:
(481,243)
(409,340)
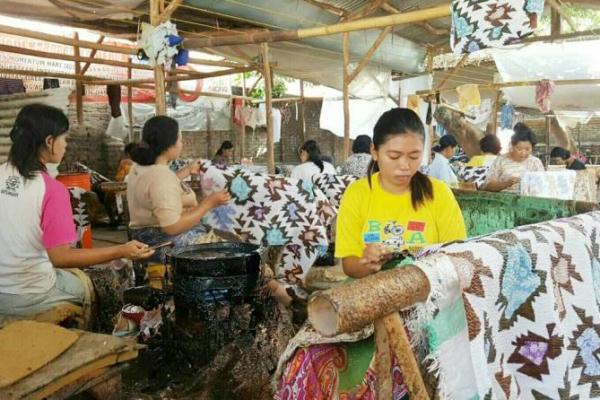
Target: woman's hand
(374,256)
(135,250)
(194,167)
(217,199)
(513,180)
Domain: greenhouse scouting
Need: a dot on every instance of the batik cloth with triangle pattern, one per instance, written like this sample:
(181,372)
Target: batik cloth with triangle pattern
(272,211)
(517,315)
(478,24)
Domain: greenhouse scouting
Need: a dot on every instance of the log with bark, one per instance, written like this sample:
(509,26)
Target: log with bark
(467,134)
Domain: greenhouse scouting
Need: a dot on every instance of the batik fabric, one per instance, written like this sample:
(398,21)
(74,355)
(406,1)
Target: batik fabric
(478,24)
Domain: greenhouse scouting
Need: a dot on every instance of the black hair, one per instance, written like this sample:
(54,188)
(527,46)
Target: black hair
(34,123)
(445,142)
(559,152)
(490,144)
(400,121)
(129,147)
(523,134)
(314,153)
(159,134)
(362,144)
(226,145)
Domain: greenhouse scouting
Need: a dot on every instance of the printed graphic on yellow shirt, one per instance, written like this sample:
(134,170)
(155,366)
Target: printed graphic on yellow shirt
(395,236)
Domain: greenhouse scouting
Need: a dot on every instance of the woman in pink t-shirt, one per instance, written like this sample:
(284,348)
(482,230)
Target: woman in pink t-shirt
(37,230)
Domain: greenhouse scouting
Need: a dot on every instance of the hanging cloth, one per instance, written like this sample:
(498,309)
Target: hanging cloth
(468,95)
(478,24)
(507,116)
(543,91)
(413,102)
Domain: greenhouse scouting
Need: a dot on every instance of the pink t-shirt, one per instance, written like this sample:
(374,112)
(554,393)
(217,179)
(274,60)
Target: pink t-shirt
(36,215)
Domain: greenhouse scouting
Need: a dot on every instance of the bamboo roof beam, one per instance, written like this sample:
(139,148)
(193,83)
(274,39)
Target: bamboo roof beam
(340,12)
(177,78)
(428,27)
(9,30)
(563,36)
(98,46)
(501,85)
(165,14)
(359,25)
(367,57)
(365,11)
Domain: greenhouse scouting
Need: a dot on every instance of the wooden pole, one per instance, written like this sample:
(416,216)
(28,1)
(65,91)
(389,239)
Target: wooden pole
(167,12)
(303,113)
(159,71)
(359,25)
(345,90)
(79,84)
(547,155)
(269,106)
(92,55)
(130,102)
(243,124)
(188,77)
(495,114)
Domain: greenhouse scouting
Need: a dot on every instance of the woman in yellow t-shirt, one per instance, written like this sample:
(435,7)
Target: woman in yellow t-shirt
(398,208)
(395,209)
(490,147)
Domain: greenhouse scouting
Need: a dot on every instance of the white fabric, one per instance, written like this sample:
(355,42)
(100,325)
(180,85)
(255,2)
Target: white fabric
(155,42)
(440,169)
(363,115)
(21,205)
(551,184)
(191,116)
(554,61)
(307,170)
(276,119)
(116,128)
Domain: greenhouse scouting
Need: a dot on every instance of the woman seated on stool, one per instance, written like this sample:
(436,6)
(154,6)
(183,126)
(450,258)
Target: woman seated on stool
(161,207)
(37,230)
(395,209)
(505,172)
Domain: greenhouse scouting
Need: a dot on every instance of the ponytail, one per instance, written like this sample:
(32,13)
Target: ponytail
(34,123)
(158,135)
(314,153)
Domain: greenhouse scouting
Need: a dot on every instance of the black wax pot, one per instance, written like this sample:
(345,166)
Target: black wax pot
(215,289)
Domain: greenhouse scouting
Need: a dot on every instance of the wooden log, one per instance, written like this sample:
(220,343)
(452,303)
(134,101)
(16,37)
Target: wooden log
(346,93)
(78,85)
(269,105)
(349,308)
(467,134)
(406,358)
(383,361)
(564,36)
(359,25)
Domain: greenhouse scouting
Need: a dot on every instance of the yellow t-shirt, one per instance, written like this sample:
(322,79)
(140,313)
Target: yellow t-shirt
(372,215)
(484,160)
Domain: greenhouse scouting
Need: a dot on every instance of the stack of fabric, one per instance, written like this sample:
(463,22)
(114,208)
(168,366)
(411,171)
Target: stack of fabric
(516,314)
